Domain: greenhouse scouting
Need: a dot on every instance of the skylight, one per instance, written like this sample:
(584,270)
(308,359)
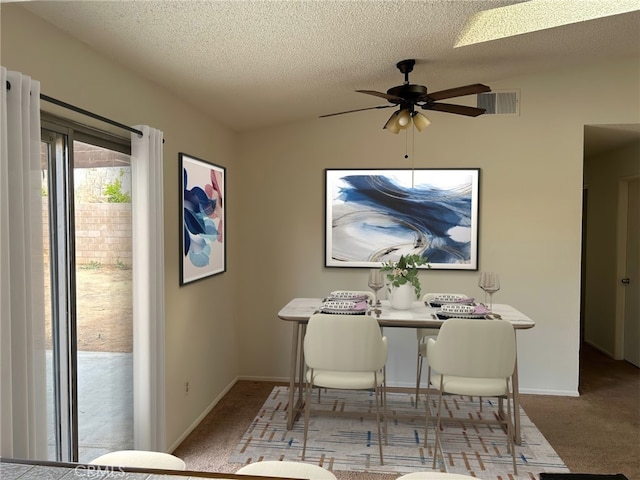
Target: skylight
(537,15)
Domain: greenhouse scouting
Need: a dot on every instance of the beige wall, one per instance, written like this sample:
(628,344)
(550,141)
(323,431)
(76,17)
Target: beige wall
(530,210)
(201,343)
(603,176)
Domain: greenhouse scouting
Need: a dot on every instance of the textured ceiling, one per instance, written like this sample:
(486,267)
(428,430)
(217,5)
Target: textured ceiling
(251,64)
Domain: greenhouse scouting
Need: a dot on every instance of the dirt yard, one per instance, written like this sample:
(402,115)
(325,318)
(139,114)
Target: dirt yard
(104,309)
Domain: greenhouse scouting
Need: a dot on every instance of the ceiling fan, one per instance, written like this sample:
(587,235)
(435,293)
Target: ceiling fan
(408,97)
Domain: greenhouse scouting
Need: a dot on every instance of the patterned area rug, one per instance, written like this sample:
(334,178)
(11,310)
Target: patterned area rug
(350,443)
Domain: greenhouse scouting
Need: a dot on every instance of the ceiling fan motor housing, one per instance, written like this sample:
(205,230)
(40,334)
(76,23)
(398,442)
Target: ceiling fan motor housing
(409,92)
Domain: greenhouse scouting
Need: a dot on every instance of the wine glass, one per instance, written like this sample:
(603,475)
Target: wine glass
(490,283)
(376,282)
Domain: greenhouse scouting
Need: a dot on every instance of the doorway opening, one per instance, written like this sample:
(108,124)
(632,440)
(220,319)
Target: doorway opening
(610,164)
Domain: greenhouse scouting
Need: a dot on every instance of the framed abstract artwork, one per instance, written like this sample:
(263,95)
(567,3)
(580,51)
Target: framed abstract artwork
(373,216)
(202,219)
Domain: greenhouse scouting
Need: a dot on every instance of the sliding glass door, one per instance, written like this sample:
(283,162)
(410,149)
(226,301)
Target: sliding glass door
(86,191)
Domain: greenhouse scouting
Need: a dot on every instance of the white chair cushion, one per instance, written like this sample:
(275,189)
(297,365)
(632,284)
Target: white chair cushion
(344,380)
(274,468)
(479,387)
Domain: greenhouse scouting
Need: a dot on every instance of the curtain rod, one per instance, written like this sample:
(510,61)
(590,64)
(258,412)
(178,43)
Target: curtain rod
(68,106)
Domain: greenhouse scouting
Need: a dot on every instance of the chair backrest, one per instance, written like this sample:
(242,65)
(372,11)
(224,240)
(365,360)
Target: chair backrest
(348,343)
(474,348)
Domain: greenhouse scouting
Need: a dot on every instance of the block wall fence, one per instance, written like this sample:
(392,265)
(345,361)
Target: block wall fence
(103,234)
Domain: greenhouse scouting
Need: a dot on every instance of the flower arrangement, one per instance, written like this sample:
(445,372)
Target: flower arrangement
(405,270)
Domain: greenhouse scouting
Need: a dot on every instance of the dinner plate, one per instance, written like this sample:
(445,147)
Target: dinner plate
(344,307)
(434,304)
(441,300)
(342,312)
(346,295)
(444,315)
(450,298)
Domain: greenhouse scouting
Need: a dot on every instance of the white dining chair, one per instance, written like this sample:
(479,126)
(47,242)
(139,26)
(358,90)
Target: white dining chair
(472,358)
(140,459)
(284,469)
(346,352)
(422,335)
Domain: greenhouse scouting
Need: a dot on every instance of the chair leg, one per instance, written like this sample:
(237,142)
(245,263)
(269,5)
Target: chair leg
(437,441)
(307,411)
(427,407)
(418,375)
(377,392)
(384,406)
(511,442)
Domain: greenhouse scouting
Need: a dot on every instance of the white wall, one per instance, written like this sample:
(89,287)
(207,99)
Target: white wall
(530,213)
(602,177)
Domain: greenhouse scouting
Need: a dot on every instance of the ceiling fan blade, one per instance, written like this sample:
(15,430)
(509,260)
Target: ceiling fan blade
(457,92)
(391,98)
(357,110)
(457,109)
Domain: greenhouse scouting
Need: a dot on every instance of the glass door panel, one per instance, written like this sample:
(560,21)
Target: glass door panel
(104,327)
(88,288)
(52,432)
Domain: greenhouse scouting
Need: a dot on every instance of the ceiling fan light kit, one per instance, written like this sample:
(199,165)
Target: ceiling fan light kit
(420,121)
(402,118)
(409,97)
(392,124)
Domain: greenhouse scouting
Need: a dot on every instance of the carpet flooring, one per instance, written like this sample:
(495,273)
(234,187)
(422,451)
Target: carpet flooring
(597,432)
(349,442)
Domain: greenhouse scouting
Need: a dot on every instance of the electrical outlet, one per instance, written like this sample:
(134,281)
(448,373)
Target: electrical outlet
(186,387)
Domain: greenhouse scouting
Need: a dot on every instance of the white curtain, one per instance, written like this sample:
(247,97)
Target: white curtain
(148,289)
(23,396)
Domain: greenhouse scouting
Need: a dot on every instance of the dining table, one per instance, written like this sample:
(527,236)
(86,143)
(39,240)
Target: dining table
(298,311)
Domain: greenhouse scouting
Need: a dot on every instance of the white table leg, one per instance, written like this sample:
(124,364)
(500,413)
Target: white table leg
(292,375)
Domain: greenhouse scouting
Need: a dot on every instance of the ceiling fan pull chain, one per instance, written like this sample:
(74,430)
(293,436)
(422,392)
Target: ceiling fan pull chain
(413,157)
(406,143)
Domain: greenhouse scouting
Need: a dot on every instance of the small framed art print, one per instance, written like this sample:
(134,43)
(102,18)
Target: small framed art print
(202,219)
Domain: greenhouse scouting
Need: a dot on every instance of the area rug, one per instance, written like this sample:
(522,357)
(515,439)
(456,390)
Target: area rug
(350,443)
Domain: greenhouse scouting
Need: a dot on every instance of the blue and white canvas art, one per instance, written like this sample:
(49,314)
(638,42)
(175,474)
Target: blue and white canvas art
(373,216)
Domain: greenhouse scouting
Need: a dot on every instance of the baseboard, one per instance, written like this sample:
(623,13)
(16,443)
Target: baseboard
(201,417)
(555,393)
(251,378)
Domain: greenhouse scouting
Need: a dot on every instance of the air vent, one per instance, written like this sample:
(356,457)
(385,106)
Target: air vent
(501,102)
